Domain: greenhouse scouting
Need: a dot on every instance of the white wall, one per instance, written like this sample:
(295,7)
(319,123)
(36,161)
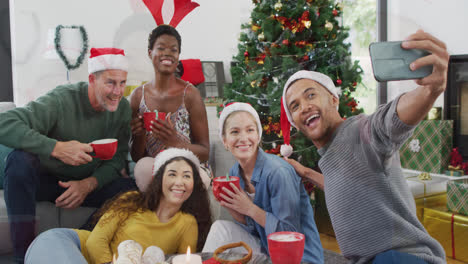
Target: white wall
(210,32)
(445,19)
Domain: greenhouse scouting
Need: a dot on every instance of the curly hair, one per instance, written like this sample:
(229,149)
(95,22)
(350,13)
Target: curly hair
(126,204)
(163,30)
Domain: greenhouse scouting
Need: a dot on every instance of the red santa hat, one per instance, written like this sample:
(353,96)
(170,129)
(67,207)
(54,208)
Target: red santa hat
(107,59)
(286,118)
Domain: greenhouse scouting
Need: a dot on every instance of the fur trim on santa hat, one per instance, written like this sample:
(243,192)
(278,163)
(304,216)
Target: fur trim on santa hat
(171,153)
(236,107)
(107,59)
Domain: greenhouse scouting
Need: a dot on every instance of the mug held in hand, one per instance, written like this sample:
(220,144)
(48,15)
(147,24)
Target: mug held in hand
(222,181)
(104,149)
(150,116)
(390,62)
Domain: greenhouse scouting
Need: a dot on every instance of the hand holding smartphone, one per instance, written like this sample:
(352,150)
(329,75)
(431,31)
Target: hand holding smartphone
(390,62)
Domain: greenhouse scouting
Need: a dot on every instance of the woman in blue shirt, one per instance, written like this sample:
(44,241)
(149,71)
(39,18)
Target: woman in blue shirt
(272,198)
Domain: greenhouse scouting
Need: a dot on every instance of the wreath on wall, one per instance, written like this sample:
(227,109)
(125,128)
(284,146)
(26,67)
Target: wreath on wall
(58,46)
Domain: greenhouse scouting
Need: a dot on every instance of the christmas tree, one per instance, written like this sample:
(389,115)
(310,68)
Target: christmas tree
(285,36)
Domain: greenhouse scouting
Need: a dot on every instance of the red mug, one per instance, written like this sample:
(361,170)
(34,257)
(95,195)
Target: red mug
(220,182)
(286,247)
(150,116)
(104,149)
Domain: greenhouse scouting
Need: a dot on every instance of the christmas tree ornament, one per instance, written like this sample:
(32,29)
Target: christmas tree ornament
(246,54)
(252,83)
(309,47)
(278,6)
(305,58)
(261,37)
(255,27)
(307,23)
(328,25)
(300,44)
(339,81)
(318,14)
(335,12)
(285,42)
(340,6)
(354,83)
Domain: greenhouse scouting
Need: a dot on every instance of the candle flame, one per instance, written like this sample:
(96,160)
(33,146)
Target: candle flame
(187,258)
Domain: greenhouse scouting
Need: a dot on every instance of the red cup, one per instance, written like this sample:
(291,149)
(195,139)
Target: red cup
(286,247)
(150,116)
(220,182)
(104,149)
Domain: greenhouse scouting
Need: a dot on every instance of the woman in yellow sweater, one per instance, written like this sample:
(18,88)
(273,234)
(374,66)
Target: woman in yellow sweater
(172,213)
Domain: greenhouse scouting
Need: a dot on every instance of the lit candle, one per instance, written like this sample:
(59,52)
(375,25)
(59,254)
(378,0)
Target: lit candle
(187,258)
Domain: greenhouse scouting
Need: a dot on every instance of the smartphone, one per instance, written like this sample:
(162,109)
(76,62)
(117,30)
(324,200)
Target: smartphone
(390,62)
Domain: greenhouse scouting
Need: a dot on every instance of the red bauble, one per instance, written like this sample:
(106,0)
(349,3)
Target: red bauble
(246,54)
(285,42)
(354,83)
(339,82)
(305,58)
(334,12)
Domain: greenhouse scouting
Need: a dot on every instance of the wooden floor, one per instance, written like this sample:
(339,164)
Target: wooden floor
(329,242)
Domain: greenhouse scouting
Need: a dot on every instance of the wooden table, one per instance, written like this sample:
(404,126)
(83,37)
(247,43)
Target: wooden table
(329,256)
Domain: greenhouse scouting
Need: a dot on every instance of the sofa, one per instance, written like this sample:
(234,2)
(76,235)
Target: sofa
(49,216)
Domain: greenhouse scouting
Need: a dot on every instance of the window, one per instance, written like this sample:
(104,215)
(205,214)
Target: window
(360,16)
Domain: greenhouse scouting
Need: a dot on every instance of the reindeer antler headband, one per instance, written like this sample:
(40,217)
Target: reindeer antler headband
(181,9)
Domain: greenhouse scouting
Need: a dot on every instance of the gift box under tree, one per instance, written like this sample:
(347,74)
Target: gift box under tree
(428,149)
(450,229)
(457,196)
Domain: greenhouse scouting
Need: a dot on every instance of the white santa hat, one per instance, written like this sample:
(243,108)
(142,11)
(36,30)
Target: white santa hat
(286,118)
(143,172)
(170,153)
(236,107)
(107,59)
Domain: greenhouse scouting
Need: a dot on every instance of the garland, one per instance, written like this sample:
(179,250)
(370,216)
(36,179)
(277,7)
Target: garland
(58,46)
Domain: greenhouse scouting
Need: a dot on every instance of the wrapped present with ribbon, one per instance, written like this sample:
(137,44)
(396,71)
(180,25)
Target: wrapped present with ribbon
(423,185)
(450,229)
(428,149)
(434,201)
(457,196)
(455,171)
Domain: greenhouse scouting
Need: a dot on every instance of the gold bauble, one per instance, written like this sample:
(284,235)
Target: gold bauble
(340,6)
(307,23)
(252,83)
(329,26)
(255,27)
(261,37)
(278,6)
